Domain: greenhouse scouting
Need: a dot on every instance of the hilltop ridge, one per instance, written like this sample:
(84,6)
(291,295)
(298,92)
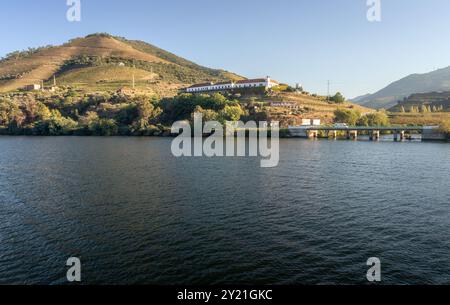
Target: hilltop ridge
(93,63)
(435,81)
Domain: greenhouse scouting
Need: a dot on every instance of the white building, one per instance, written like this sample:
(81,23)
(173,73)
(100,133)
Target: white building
(311,122)
(33,87)
(266,83)
(289,105)
(200,88)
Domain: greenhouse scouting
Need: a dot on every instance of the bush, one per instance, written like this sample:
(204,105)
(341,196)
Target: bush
(182,106)
(338,98)
(231,113)
(104,127)
(445,127)
(208,115)
(374,119)
(10,113)
(363,121)
(56,125)
(346,116)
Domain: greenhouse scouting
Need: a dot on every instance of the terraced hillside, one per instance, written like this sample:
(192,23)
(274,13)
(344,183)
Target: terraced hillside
(307,107)
(424,102)
(103,62)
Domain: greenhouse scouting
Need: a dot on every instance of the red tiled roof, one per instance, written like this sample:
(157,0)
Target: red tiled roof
(256,80)
(248,81)
(200,85)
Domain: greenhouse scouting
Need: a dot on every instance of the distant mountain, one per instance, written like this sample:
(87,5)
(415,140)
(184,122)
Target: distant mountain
(361,98)
(388,97)
(104,62)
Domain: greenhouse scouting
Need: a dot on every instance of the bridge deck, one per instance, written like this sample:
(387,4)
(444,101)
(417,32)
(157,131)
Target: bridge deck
(359,128)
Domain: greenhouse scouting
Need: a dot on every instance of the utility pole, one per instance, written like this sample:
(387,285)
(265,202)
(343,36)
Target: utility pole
(134,80)
(328,90)
(54,80)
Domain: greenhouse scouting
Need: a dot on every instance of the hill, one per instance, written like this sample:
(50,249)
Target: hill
(435,81)
(307,106)
(103,62)
(424,102)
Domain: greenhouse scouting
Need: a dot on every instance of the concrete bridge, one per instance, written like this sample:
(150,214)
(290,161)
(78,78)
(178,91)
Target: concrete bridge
(428,133)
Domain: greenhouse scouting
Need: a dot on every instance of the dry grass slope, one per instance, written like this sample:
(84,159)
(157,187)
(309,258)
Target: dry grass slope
(425,119)
(15,73)
(310,107)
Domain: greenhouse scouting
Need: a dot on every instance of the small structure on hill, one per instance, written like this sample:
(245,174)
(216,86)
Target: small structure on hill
(289,105)
(126,91)
(311,122)
(32,87)
(51,88)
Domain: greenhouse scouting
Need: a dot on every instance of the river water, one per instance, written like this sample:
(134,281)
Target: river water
(134,214)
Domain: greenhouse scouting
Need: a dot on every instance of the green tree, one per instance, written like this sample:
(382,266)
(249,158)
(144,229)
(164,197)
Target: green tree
(231,113)
(42,112)
(10,114)
(56,125)
(89,120)
(338,98)
(147,114)
(347,116)
(363,121)
(182,106)
(147,110)
(445,127)
(208,114)
(377,119)
(104,127)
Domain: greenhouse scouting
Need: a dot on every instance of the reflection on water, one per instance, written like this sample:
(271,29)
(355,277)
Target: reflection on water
(135,214)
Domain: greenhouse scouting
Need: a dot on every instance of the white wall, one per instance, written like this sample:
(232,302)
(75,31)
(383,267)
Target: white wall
(265,84)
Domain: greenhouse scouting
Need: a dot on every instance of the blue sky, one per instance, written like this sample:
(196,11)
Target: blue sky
(306,41)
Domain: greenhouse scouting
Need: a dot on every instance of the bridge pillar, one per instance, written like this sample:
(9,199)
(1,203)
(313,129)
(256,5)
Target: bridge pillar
(313,134)
(333,134)
(352,135)
(402,135)
(375,135)
(408,135)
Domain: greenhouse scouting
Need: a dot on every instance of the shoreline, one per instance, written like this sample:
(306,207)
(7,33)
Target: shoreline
(165,132)
(173,136)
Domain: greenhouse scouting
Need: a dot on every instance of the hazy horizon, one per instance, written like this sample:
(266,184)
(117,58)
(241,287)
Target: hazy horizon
(294,41)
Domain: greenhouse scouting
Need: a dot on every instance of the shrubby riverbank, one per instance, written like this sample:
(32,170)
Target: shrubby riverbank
(68,112)
(103,114)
